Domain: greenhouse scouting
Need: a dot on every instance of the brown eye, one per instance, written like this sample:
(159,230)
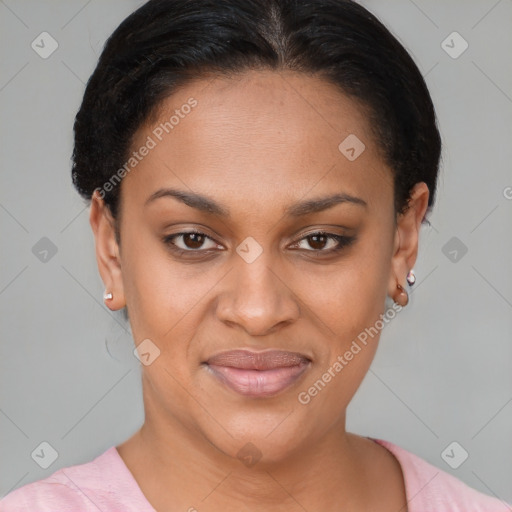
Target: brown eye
(317,242)
(190,241)
(193,240)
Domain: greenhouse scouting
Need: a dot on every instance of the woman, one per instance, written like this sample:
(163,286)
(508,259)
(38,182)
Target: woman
(258,173)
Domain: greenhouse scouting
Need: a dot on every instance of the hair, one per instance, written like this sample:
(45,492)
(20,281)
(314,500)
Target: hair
(166,44)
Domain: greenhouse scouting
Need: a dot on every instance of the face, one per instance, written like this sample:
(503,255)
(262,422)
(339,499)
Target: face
(247,227)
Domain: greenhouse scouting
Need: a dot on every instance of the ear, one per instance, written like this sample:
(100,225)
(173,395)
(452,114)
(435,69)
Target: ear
(107,251)
(406,238)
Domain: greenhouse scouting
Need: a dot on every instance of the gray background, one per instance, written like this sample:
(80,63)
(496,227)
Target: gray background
(443,369)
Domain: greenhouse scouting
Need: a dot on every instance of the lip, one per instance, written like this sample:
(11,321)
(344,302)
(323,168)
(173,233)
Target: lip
(258,374)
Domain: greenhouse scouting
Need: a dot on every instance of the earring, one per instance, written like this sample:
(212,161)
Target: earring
(411,278)
(107,295)
(403,296)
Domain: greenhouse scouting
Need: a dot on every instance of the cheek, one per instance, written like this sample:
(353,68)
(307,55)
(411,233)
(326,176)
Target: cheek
(365,308)
(166,299)
(353,310)
(153,287)
(351,296)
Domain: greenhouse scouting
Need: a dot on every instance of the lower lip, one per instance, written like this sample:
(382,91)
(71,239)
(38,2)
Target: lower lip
(258,383)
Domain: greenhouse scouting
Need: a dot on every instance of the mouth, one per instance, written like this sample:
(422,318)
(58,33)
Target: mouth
(258,374)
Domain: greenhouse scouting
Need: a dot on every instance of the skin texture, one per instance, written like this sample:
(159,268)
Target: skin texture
(256,144)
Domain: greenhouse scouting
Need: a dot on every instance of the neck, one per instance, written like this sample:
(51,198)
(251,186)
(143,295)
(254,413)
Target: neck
(176,465)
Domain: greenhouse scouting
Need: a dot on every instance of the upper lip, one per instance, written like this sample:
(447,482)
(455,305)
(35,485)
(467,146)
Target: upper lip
(249,360)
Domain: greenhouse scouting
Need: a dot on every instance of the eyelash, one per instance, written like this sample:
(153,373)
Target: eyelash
(342,242)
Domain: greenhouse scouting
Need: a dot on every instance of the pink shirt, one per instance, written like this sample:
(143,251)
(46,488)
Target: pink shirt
(106,484)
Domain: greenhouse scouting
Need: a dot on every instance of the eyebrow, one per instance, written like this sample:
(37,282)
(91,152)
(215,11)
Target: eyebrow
(208,205)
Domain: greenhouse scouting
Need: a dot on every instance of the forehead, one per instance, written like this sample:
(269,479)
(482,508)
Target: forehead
(281,134)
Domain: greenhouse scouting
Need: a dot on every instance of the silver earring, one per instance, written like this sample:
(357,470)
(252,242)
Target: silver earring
(107,295)
(411,278)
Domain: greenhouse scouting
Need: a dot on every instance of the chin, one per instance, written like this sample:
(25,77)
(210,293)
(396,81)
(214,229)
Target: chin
(259,437)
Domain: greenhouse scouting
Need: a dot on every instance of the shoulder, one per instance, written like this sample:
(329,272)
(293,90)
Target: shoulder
(430,489)
(84,487)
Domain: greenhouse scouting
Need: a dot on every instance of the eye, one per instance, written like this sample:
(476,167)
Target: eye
(197,242)
(321,239)
(190,241)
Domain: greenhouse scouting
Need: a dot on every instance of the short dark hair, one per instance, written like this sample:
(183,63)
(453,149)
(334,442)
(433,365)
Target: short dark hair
(166,43)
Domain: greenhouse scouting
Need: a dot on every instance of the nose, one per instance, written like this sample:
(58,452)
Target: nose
(257,298)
